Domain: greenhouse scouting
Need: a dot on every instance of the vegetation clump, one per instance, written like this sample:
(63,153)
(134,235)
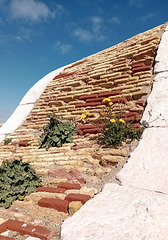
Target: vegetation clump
(57,132)
(17,179)
(116,131)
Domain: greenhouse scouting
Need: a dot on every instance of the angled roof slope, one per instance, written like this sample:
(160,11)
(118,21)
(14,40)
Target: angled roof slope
(122,72)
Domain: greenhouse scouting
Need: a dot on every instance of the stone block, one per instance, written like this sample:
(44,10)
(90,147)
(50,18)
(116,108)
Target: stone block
(110,160)
(6,238)
(156,111)
(148,162)
(74,207)
(77,197)
(120,213)
(58,204)
(68,185)
(51,189)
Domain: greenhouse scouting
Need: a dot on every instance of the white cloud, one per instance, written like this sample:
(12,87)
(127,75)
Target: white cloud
(146,17)
(114,20)
(83,34)
(29,10)
(138,3)
(24,34)
(63,48)
(96,23)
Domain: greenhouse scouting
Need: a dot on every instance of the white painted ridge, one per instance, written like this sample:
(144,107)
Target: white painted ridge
(162,54)
(27,104)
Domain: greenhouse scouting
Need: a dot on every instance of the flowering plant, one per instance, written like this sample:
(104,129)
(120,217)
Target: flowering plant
(116,131)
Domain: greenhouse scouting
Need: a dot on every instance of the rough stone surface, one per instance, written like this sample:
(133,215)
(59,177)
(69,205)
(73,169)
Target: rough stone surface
(162,56)
(74,206)
(156,111)
(120,213)
(147,166)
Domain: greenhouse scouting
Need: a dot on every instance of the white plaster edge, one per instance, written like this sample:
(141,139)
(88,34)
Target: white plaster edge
(156,111)
(27,104)
(161,60)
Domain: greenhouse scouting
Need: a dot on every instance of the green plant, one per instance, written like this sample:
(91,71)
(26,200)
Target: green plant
(7,141)
(56,133)
(17,179)
(116,131)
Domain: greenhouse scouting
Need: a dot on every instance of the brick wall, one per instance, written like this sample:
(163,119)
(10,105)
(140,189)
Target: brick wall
(122,72)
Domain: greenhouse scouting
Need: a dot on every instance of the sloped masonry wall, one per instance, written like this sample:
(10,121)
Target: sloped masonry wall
(138,207)
(122,72)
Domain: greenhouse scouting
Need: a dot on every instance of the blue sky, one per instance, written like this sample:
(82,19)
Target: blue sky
(39,36)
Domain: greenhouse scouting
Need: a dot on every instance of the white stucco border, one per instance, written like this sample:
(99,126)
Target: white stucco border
(27,103)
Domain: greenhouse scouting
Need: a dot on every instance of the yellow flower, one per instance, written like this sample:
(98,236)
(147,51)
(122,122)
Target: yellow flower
(121,120)
(87,114)
(110,103)
(106,129)
(103,114)
(106,100)
(112,120)
(83,116)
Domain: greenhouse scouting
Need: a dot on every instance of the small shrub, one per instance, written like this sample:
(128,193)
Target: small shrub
(116,131)
(56,133)
(17,179)
(7,141)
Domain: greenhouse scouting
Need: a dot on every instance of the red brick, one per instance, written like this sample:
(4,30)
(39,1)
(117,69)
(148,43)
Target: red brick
(130,114)
(28,229)
(79,132)
(141,69)
(87,104)
(77,197)
(68,185)
(82,127)
(62,75)
(14,225)
(76,64)
(84,97)
(3,227)
(138,65)
(23,143)
(92,130)
(58,172)
(58,204)
(132,118)
(140,103)
(112,93)
(92,104)
(6,238)
(94,99)
(80,105)
(51,189)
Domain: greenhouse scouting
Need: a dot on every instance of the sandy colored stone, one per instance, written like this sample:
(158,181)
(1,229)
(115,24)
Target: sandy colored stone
(84,190)
(74,206)
(115,152)
(109,159)
(2,220)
